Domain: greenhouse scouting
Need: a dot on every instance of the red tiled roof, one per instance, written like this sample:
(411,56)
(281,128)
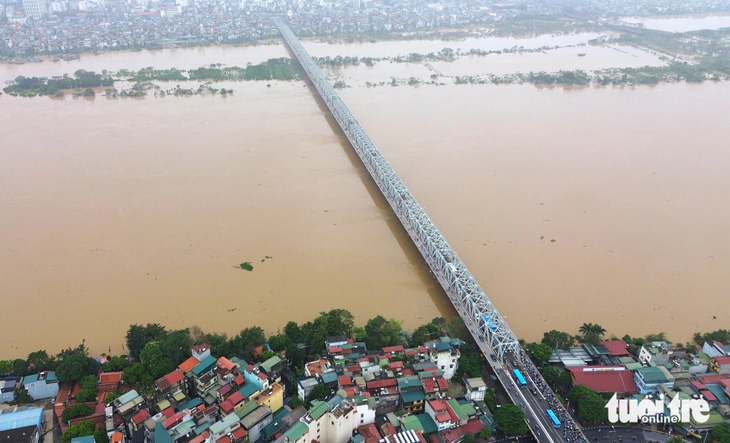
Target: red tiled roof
(354,369)
(697,385)
(262,376)
(63,393)
(411,352)
(239,381)
(396,365)
(224,363)
(223,439)
(344,380)
(351,391)
(174,420)
(239,433)
(443,417)
(407,372)
(709,396)
(604,378)
(201,347)
(199,439)
(617,348)
(168,412)
(169,380)
(189,364)
(224,390)
(236,398)
(443,384)
(369,433)
(392,349)
(334,349)
(141,416)
(723,360)
(110,377)
(725,383)
(117,437)
(379,384)
(711,379)
(428,385)
(437,405)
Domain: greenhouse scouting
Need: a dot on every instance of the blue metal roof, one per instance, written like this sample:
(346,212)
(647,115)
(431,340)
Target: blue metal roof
(13,419)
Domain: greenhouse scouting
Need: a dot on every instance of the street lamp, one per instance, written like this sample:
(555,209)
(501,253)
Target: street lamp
(613,433)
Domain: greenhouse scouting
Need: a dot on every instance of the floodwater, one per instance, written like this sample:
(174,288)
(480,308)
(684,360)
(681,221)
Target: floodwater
(120,211)
(683,23)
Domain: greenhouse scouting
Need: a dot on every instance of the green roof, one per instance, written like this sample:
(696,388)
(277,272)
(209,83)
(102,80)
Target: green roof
(329,377)
(184,427)
(410,381)
(318,409)
(202,428)
(204,366)
(652,375)
(429,374)
(84,439)
(161,434)
(248,390)
(412,396)
(228,420)
(190,404)
(270,363)
(714,419)
(297,431)
(129,396)
(411,422)
(429,426)
(179,396)
(247,409)
(458,410)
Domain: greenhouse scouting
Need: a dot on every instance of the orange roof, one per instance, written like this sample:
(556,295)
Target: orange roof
(239,433)
(117,437)
(189,364)
(224,363)
(169,379)
(110,377)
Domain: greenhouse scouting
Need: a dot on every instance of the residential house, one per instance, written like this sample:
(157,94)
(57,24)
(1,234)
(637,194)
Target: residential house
(648,379)
(272,397)
(713,348)
(257,420)
(475,389)
(109,381)
(659,353)
(171,389)
(26,434)
(616,348)
(385,392)
(273,367)
(305,386)
(8,387)
(201,352)
(42,385)
(203,376)
(332,421)
(411,394)
(446,356)
(441,413)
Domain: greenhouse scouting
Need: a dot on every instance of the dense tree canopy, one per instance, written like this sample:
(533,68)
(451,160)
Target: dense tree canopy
(721,433)
(511,420)
(79,430)
(557,339)
(76,410)
(75,366)
(591,406)
(542,352)
(138,336)
(380,333)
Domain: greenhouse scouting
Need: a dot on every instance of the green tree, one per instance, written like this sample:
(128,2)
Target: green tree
(294,332)
(176,346)
(511,420)
(153,358)
(79,430)
(138,336)
(542,352)
(320,392)
(73,367)
(89,389)
(661,336)
(137,375)
(423,334)
(6,367)
(279,342)
(721,433)
(485,433)
(469,361)
(250,338)
(468,438)
(380,333)
(100,436)
(76,410)
(557,339)
(591,406)
(115,364)
(675,439)
(39,361)
(551,375)
(339,322)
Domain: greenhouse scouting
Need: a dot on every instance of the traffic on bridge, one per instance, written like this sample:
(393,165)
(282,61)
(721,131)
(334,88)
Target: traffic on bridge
(547,419)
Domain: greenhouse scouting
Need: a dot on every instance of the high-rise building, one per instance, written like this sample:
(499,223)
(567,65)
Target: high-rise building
(35,8)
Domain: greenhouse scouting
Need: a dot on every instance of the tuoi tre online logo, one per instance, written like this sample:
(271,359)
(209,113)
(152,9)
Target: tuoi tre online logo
(653,411)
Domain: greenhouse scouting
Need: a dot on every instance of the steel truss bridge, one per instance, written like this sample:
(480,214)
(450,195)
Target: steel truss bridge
(462,289)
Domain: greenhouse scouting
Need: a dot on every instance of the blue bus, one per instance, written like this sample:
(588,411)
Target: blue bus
(553,418)
(491,325)
(520,379)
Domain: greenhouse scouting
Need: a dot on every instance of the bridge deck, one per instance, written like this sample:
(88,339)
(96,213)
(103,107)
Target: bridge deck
(485,323)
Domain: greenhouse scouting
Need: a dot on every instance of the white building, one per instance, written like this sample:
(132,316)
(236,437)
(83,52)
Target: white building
(446,357)
(475,389)
(43,385)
